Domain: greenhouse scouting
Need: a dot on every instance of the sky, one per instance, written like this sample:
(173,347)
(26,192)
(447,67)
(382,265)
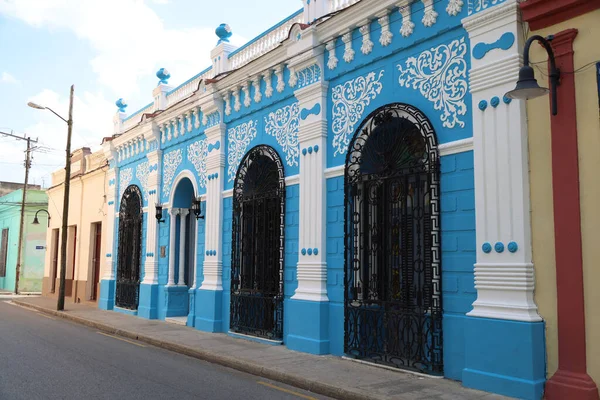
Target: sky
(108,49)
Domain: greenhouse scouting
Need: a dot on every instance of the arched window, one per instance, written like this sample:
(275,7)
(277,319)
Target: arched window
(130,249)
(258,245)
(393,310)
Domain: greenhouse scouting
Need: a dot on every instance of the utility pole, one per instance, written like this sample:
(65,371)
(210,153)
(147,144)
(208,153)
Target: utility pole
(23,201)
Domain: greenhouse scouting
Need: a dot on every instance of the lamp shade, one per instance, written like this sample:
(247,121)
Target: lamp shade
(34,105)
(527,86)
(36,221)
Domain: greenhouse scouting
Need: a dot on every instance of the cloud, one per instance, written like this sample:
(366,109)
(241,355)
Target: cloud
(161,1)
(133,45)
(8,78)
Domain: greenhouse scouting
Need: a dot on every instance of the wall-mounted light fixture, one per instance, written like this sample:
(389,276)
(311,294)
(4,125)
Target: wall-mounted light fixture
(197,207)
(527,86)
(159,209)
(35,219)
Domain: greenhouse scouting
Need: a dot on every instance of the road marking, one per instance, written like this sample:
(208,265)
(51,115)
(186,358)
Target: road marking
(23,307)
(121,339)
(47,316)
(286,391)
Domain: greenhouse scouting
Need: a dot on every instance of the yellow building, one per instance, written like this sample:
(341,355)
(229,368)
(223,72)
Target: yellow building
(87,210)
(564,154)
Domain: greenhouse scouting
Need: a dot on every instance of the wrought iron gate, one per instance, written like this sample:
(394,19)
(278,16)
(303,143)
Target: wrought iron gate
(257,245)
(393,304)
(130,249)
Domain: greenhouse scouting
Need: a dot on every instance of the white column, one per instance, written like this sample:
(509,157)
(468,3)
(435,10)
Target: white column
(194,223)
(504,270)
(151,264)
(215,164)
(312,266)
(172,236)
(108,272)
(182,238)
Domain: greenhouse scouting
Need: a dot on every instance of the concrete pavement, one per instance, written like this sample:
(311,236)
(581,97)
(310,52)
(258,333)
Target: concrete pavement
(327,375)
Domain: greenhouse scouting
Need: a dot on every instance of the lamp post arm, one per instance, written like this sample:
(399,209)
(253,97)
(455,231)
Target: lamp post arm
(46,211)
(554,72)
(52,111)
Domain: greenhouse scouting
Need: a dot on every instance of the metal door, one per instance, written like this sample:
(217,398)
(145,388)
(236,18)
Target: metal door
(130,249)
(393,310)
(258,246)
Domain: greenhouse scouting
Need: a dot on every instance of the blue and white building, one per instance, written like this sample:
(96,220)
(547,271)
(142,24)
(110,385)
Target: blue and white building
(352,182)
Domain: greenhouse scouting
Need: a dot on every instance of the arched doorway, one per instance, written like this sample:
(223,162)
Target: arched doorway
(393,300)
(130,249)
(184,234)
(258,245)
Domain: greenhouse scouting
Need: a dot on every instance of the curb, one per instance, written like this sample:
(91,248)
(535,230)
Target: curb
(225,361)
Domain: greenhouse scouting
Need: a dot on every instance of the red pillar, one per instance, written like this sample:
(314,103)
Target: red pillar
(571,381)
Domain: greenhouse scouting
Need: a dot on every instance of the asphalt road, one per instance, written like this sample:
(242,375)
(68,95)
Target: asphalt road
(42,357)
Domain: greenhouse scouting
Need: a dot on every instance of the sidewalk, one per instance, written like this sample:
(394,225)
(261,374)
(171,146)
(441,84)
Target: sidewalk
(326,375)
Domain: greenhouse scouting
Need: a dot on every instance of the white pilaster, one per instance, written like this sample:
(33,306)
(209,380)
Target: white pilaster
(159,94)
(108,271)
(182,238)
(151,264)
(504,270)
(174,212)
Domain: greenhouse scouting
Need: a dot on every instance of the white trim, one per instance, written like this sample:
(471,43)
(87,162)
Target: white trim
(292,180)
(228,193)
(186,173)
(334,172)
(458,146)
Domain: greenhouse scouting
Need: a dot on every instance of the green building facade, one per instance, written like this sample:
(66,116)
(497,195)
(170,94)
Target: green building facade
(34,240)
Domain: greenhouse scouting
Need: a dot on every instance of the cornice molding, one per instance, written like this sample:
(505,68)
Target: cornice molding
(544,13)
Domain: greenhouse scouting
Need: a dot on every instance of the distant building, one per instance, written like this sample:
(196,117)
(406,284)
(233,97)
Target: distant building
(87,209)
(9,187)
(34,239)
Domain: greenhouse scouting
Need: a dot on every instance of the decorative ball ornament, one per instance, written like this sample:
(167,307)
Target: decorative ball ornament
(513,247)
(122,104)
(499,247)
(163,75)
(487,248)
(223,31)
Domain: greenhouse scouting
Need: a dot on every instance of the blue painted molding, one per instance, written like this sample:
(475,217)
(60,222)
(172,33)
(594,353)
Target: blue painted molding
(153,167)
(309,251)
(305,113)
(213,176)
(108,255)
(111,182)
(505,42)
(150,255)
(211,252)
(110,203)
(215,146)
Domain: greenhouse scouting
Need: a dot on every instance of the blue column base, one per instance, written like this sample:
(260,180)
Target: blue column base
(176,301)
(107,294)
(148,307)
(209,306)
(505,357)
(309,327)
(191,318)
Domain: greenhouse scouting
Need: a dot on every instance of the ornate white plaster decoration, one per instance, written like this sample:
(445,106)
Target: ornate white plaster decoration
(367,43)
(238,139)
(479,5)
(237,106)
(181,120)
(348,51)
(279,74)
(142,172)
(204,119)
(227,99)
(168,129)
(247,98)
(332,62)
(268,83)
(430,16)
(309,75)
(196,113)
(440,74)
(386,35)
(171,162)
(349,102)
(454,7)
(196,154)
(293,77)
(284,125)
(175,128)
(407,25)
(125,177)
(257,93)
(188,116)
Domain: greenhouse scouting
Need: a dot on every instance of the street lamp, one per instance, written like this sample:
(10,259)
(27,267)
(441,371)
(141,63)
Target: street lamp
(35,219)
(197,207)
(60,306)
(527,86)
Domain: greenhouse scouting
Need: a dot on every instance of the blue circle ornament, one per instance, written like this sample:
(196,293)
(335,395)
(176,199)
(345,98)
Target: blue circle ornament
(506,100)
(487,248)
(495,101)
(483,105)
(499,247)
(303,252)
(513,247)
(163,75)
(223,31)
(315,251)
(122,104)
(309,251)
